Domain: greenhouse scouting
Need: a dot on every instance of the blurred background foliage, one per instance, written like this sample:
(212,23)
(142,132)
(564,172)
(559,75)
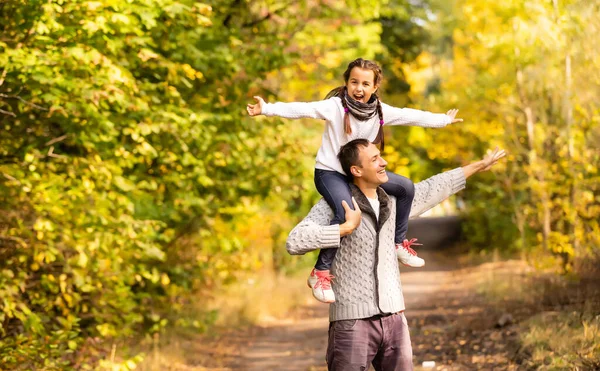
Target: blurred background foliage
(132,182)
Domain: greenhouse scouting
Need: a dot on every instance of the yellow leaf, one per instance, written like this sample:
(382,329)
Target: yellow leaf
(164,279)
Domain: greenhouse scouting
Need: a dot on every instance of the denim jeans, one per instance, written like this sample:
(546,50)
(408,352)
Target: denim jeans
(334,188)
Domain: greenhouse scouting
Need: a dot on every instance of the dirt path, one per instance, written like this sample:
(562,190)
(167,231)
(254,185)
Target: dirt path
(450,325)
(296,344)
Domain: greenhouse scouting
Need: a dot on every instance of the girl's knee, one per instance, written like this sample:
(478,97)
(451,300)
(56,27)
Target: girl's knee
(408,186)
(404,187)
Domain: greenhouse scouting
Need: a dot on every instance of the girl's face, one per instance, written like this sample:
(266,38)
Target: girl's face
(361,84)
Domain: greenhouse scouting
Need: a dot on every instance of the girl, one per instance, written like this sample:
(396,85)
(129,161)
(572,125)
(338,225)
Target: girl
(354,111)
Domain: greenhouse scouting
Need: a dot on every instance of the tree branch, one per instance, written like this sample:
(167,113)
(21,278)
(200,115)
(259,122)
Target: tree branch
(16,240)
(7,113)
(55,140)
(8,160)
(6,96)
(31,32)
(227,19)
(257,21)
(4,72)
(10,177)
(52,154)
(268,16)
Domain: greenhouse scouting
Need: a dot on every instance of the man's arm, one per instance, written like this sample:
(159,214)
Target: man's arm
(436,189)
(432,191)
(314,231)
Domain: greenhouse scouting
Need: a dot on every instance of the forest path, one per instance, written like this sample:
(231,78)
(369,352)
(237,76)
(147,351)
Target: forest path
(450,325)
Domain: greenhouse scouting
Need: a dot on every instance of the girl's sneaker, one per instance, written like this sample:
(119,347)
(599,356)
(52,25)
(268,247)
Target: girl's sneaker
(407,255)
(320,283)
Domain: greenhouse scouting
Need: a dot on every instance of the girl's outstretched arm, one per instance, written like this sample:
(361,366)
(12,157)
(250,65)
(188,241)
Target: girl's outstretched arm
(325,109)
(256,109)
(414,117)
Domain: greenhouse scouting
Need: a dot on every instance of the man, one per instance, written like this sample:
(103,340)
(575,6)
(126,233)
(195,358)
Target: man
(367,322)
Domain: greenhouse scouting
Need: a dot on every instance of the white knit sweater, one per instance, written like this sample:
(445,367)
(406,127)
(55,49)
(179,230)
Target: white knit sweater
(366,268)
(334,136)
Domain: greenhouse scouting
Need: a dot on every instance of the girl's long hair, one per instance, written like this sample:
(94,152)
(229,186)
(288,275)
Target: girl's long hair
(340,91)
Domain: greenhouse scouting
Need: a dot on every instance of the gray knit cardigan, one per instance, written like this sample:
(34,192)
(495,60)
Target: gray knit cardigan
(366,271)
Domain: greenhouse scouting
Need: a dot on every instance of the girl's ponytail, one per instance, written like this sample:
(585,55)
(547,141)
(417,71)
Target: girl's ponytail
(379,137)
(347,127)
(339,92)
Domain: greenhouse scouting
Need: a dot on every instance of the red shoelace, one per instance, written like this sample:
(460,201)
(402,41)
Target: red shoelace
(407,245)
(324,281)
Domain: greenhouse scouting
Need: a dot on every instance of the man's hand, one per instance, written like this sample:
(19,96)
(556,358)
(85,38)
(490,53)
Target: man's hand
(256,109)
(353,218)
(490,159)
(452,114)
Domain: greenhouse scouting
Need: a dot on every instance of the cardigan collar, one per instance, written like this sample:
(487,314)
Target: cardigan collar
(365,205)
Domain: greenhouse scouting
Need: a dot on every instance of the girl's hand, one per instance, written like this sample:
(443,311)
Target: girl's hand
(256,109)
(452,113)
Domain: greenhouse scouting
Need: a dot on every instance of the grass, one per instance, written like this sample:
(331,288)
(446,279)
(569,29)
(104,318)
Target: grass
(256,300)
(562,340)
(235,307)
(557,316)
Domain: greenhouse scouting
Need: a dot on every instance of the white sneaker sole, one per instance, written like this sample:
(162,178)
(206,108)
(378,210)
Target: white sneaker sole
(413,266)
(317,299)
(323,301)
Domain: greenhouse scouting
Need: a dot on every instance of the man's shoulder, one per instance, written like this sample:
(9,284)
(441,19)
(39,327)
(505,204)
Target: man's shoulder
(383,194)
(360,196)
(321,207)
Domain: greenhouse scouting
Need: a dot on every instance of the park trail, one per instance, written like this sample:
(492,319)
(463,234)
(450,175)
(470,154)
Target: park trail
(450,324)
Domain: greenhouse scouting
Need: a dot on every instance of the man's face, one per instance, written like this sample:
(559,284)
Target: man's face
(372,166)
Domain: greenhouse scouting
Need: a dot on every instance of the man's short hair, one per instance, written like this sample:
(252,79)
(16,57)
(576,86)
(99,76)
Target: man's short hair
(349,154)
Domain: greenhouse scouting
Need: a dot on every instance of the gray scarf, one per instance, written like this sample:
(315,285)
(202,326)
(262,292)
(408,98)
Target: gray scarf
(362,111)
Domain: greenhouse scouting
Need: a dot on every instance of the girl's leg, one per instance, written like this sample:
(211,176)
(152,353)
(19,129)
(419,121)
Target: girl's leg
(334,188)
(404,190)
